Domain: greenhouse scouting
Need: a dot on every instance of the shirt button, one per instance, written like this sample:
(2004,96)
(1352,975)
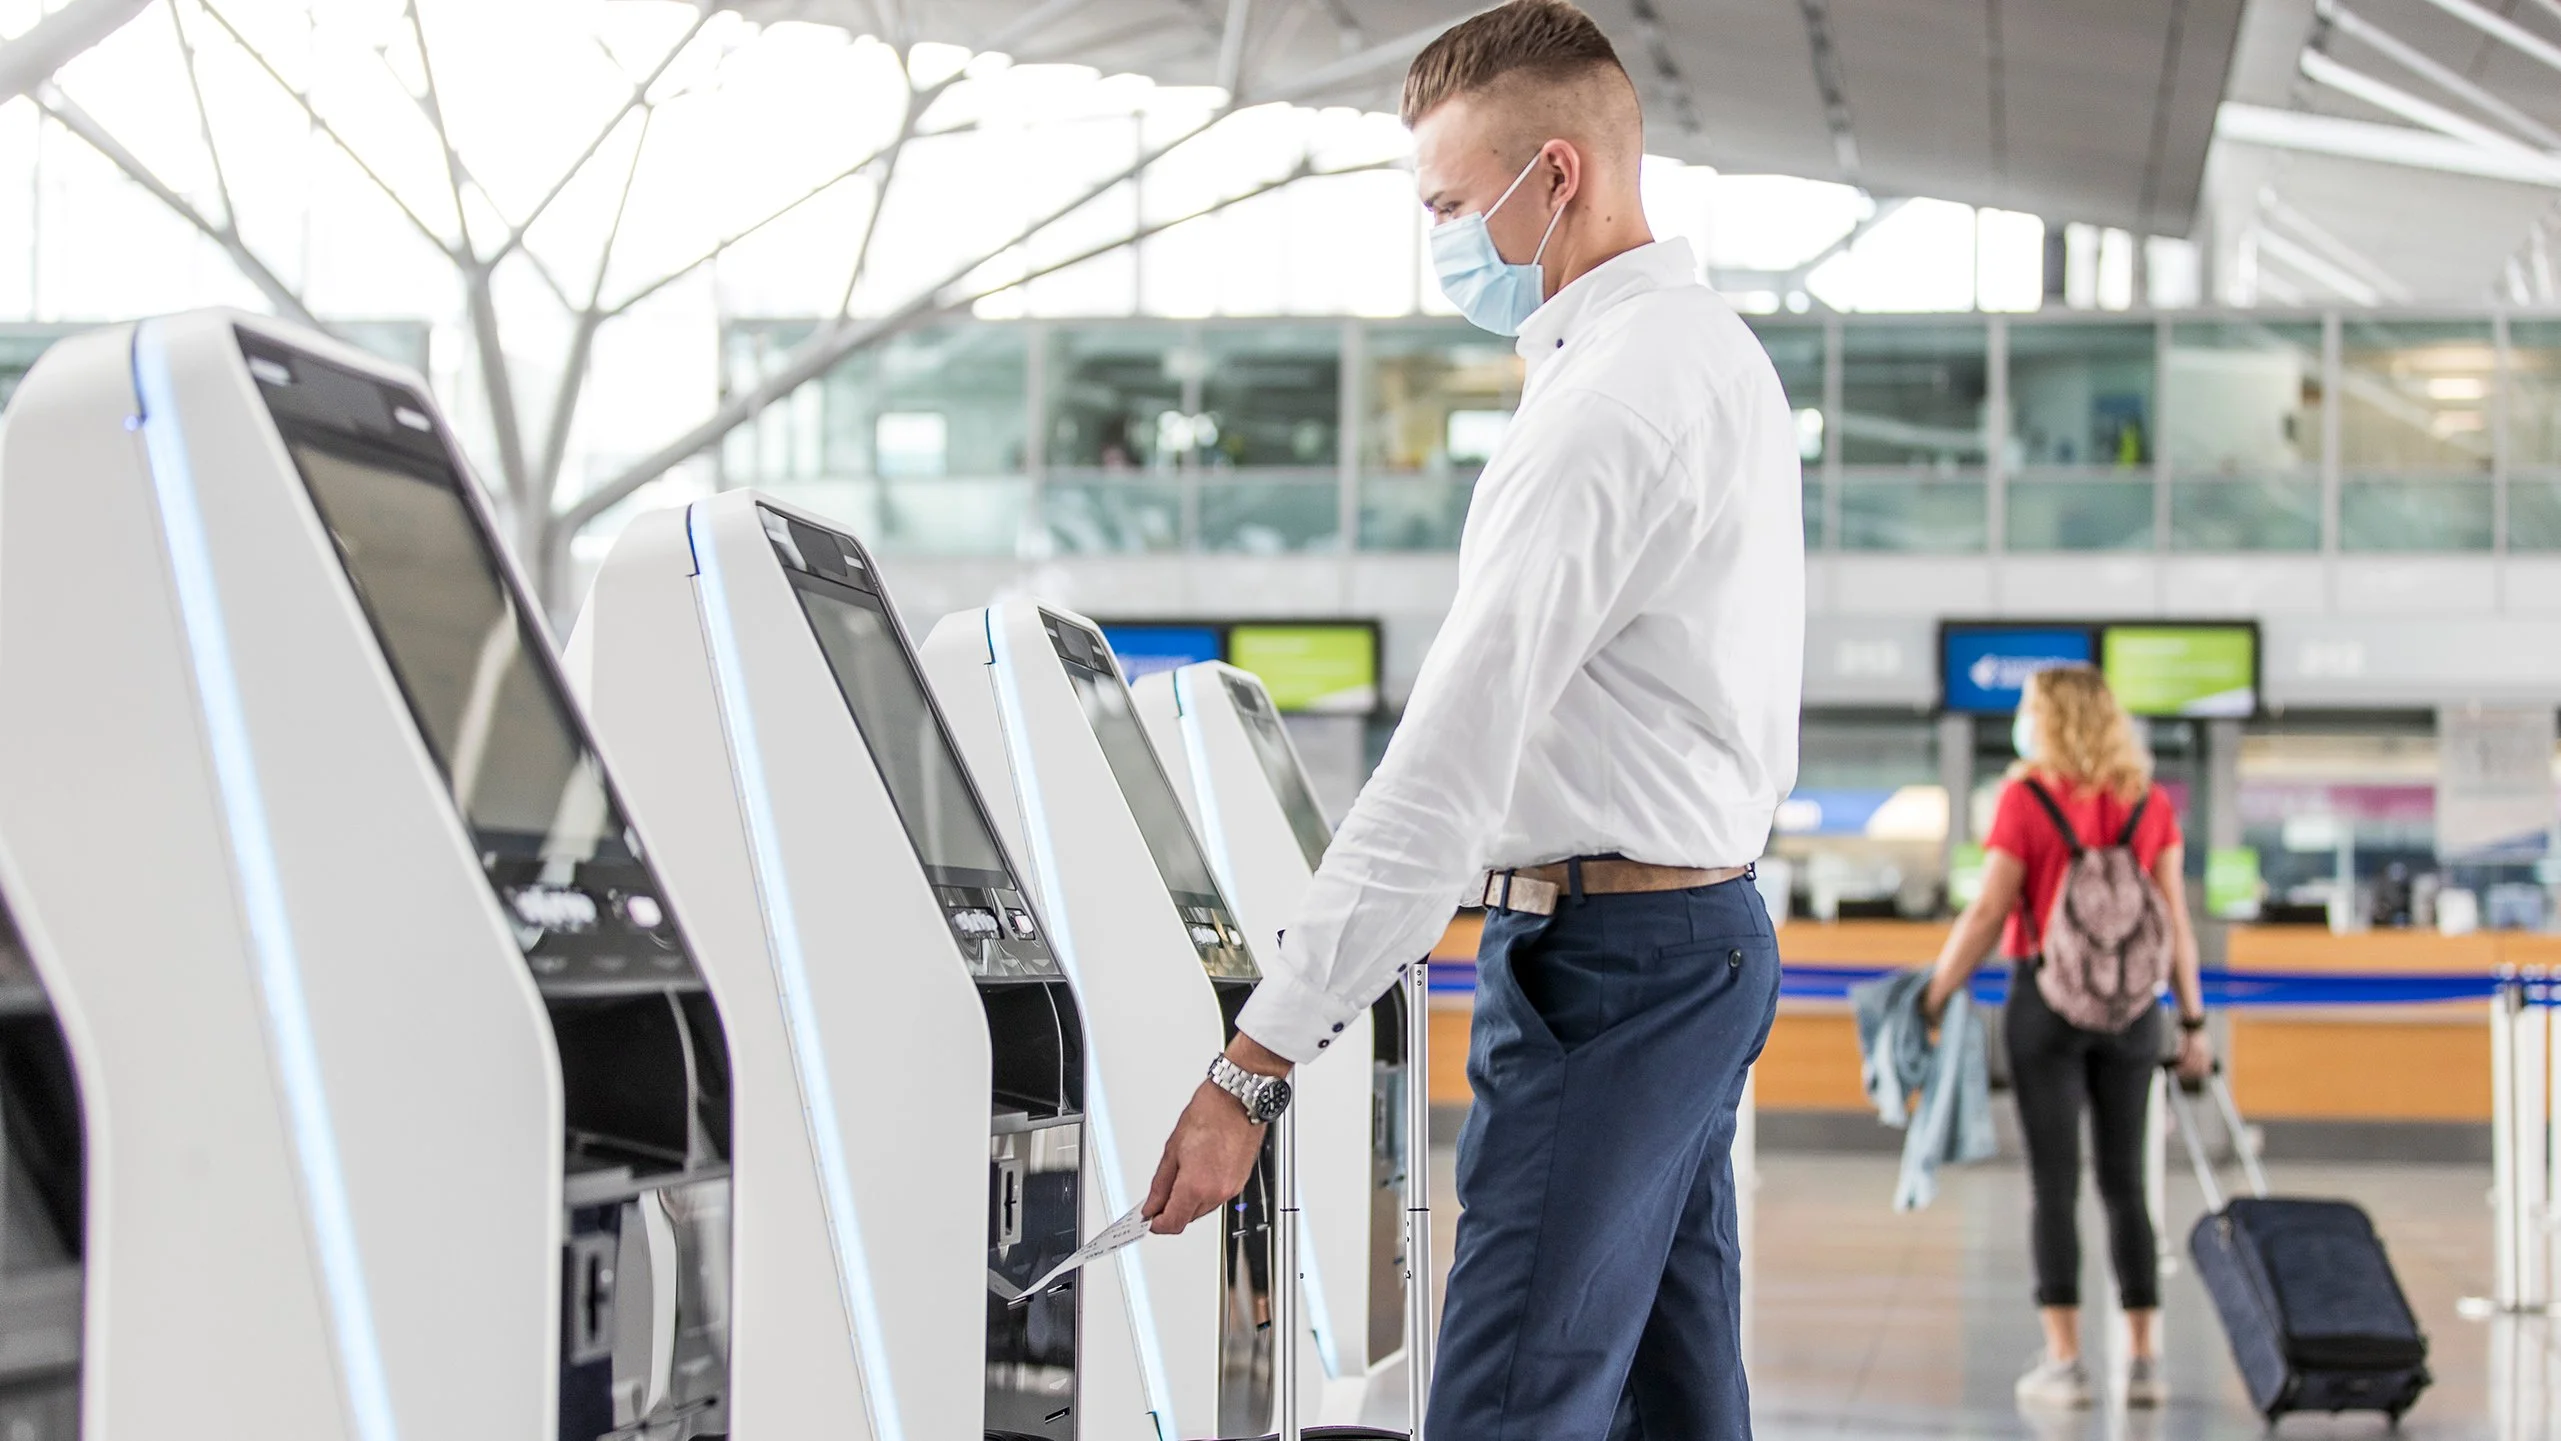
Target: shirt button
(1734,960)
(1320,1045)
(1338,1027)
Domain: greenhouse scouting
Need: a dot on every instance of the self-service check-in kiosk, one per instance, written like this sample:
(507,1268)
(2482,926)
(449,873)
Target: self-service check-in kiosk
(409,1108)
(884,972)
(43,1198)
(1248,795)
(1161,966)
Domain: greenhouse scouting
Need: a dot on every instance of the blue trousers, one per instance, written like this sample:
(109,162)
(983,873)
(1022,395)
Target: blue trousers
(1597,1290)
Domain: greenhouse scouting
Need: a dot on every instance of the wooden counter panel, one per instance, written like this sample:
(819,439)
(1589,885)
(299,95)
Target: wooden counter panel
(1861,943)
(2289,1068)
(1449,1052)
(2311,948)
(1810,1064)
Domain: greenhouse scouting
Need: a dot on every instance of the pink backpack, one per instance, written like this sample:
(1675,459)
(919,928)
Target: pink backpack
(2105,948)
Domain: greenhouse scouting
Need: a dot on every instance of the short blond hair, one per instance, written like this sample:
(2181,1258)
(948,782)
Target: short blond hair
(2083,736)
(1540,39)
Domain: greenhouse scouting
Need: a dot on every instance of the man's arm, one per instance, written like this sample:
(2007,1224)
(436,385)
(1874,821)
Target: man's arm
(1550,560)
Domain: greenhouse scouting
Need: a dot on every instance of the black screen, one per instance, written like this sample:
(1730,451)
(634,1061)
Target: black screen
(523,776)
(915,758)
(1281,768)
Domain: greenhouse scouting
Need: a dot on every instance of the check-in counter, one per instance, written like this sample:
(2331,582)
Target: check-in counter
(2415,1063)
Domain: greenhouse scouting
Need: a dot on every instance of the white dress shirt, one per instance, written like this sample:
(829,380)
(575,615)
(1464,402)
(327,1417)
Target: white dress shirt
(1619,671)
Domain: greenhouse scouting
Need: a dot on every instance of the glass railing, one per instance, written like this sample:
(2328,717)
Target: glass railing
(1259,513)
(2268,511)
(2080,508)
(2189,433)
(1913,510)
(2534,511)
(1413,512)
(2417,510)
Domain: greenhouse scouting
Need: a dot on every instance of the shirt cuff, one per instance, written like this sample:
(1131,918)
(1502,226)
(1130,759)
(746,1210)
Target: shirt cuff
(1292,1018)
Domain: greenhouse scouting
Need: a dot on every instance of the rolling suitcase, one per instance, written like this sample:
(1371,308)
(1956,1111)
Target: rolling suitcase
(2309,1302)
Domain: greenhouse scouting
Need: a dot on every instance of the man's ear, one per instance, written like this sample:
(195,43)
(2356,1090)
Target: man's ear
(1564,164)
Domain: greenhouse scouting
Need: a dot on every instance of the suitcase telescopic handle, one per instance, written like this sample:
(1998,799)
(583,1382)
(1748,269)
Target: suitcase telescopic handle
(2220,1088)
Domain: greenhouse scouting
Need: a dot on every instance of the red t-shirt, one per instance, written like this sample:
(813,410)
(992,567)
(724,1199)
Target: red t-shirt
(2021,827)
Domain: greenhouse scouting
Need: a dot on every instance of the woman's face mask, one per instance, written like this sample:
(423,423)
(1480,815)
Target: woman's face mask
(2023,733)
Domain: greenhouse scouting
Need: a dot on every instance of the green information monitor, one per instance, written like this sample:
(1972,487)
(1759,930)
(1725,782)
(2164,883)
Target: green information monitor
(1321,668)
(2182,670)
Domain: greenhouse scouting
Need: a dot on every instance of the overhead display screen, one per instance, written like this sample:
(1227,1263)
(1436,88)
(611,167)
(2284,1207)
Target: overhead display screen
(2183,670)
(1331,669)
(1983,668)
(1281,768)
(1147,649)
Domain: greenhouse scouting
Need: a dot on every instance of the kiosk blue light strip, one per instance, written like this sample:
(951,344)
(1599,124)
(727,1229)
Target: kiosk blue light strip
(791,978)
(1309,1265)
(262,893)
(1062,941)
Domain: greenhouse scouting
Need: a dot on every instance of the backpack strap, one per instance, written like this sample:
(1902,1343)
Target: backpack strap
(2055,813)
(2134,822)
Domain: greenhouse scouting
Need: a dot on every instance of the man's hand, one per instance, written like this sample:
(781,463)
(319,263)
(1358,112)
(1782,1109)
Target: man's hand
(1212,1150)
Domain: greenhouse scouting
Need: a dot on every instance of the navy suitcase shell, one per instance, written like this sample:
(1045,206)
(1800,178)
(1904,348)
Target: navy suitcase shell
(2308,1298)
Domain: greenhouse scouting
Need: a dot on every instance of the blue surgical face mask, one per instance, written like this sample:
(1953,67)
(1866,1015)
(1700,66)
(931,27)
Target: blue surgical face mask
(2023,736)
(1490,291)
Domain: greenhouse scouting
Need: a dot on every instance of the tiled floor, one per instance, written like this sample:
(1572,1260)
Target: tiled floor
(1864,1323)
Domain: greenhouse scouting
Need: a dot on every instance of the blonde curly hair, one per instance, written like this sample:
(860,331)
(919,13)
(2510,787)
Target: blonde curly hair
(2083,737)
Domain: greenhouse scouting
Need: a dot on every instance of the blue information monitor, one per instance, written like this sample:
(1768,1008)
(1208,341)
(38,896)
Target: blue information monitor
(1146,649)
(1983,668)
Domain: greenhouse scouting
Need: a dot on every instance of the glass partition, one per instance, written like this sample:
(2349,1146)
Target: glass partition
(2081,437)
(1120,418)
(1436,399)
(2242,427)
(1866,825)
(917,443)
(1268,437)
(2534,434)
(1913,436)
(1796,352)
(2414,435)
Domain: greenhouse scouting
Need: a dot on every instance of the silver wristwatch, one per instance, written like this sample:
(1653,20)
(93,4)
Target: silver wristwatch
(1263,1097)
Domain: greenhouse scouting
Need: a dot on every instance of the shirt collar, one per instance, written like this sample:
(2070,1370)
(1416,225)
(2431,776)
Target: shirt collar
(1647,268)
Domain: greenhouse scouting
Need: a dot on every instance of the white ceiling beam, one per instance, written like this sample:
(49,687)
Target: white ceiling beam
(2502,29)
(2274,245)
(2321,70)
(29,58)
(2382,144)
(2321,238)
(2427,67)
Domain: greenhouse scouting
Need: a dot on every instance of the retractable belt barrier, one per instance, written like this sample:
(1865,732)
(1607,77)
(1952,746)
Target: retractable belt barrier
(2222,988)
(2525,1067)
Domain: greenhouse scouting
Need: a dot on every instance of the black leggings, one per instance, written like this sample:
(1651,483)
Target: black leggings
(2054,1065)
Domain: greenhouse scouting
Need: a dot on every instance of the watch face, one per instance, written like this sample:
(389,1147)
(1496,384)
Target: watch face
(1275,1100)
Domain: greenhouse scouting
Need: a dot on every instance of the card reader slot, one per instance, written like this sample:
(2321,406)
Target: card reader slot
(1037,1046)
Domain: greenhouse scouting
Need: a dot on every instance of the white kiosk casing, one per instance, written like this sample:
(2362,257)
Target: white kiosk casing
(43,1189)
(294,737)
(1160,966)
(744,667)
(1247,792)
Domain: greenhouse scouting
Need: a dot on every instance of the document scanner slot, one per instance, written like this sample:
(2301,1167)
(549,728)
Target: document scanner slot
(42,1215)
(1038,1048)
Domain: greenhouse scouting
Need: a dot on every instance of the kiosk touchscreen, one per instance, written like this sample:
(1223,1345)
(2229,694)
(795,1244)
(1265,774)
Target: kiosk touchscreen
(42,1201)
(1161,967)
(409,1106)
(1248,795)
(910,1069)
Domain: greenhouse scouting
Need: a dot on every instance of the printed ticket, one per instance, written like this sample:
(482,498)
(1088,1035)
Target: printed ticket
(1109,1239)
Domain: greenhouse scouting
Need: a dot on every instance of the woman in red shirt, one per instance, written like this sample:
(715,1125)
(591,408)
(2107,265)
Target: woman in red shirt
(2078,744)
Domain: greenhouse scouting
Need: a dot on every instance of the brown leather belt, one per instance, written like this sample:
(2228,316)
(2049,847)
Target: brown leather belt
(1536,889)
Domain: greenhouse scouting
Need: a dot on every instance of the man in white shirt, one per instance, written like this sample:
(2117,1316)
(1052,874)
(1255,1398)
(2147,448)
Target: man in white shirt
(1606,723)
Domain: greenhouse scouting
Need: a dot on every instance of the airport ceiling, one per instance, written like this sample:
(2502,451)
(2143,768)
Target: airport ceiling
(2087,110)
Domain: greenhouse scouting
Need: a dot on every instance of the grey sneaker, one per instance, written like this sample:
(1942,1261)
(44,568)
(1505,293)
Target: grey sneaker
(2144,1388)
(2060,1384)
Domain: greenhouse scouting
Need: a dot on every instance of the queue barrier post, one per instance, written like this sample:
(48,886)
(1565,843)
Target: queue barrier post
(2522,1086)
(1420,1332)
